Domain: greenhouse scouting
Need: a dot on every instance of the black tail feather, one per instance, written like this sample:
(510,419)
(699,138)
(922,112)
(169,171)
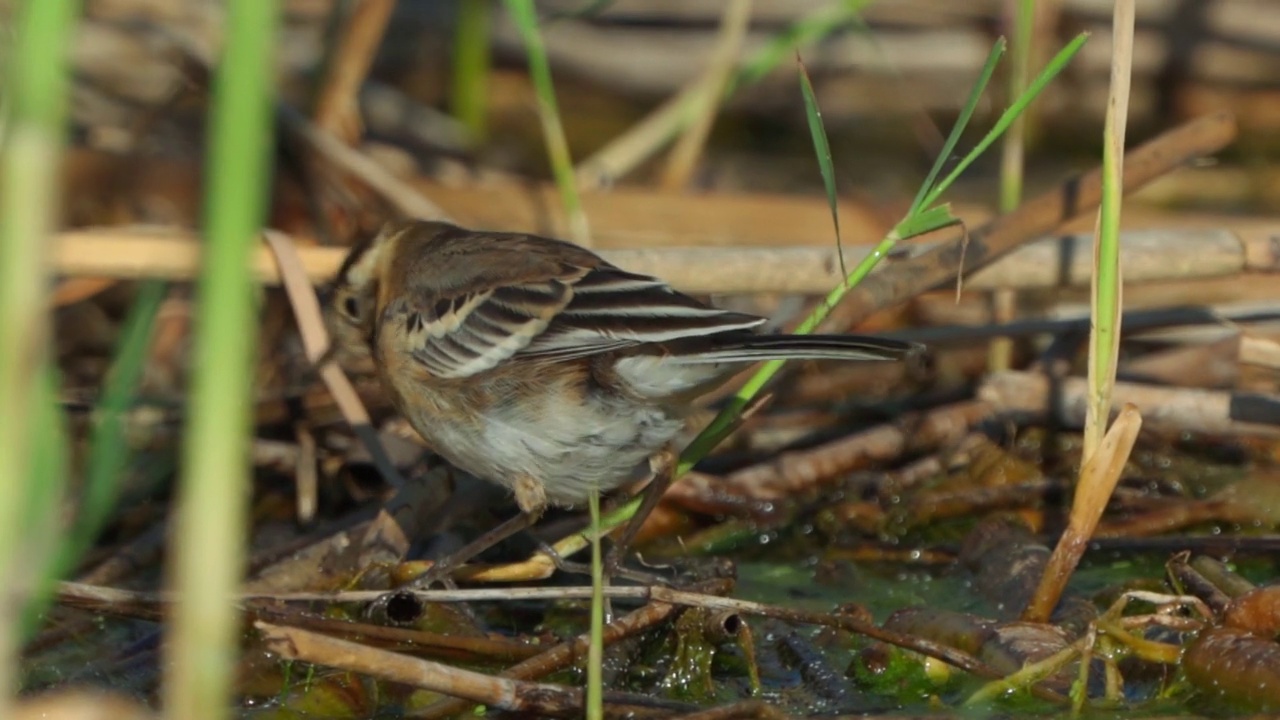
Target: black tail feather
(753,348)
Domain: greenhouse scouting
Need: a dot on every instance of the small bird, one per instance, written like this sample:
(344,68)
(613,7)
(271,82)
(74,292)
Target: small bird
(535,364)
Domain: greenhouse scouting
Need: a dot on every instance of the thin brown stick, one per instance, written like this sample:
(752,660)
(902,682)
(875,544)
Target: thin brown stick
(405,197)
(794,473)
(516,696)
(1149,255)
(315,337)
(1207,365)
(1098,480)
(520,696)
(77,289)
(1169,409)
(81,705)
(1262,352)
(337,108)
(463,646)
(102,598)
(306,473)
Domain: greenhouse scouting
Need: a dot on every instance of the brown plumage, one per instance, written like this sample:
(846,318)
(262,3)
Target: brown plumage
(534,363)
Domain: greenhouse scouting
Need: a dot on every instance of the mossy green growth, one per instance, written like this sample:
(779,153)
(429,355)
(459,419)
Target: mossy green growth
(689,675)
(898,674)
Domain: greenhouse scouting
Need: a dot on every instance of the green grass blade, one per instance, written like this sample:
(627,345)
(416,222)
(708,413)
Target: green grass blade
(822,149)
(108,452)
(595,651)
(962,122)
(1104,340)
(207,557)
(1055,66)
(525,17)
(35,88)
(924,221)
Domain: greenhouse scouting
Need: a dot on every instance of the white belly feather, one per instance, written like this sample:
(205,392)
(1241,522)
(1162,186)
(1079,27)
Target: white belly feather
(571,449)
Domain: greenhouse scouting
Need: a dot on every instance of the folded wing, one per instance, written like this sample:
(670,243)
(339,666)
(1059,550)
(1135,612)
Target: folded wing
(576,313)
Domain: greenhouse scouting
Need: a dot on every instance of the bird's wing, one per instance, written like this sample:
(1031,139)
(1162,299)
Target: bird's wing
(573,312)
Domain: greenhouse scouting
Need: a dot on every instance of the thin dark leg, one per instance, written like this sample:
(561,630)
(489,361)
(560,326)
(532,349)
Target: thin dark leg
(578,568)
(652,495)
(446,566)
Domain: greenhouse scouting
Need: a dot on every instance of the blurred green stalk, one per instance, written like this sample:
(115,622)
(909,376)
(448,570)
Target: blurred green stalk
(36,88)
(1014,149)
(525,17)
(470,92)
(1012,160)
(108,457)
(42,537)
(207,561)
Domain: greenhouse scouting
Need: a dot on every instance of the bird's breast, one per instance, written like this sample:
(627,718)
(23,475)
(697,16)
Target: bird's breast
(558,423)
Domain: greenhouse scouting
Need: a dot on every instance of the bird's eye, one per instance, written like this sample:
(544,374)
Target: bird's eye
(351,307)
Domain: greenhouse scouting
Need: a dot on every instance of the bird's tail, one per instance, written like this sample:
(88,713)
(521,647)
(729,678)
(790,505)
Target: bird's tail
(756,348)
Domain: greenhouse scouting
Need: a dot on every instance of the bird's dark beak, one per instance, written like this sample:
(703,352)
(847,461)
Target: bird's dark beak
(324,293)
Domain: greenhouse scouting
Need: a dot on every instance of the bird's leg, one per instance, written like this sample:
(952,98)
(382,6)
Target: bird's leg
(663,464)
(445,566)
(580,568)
(531,497)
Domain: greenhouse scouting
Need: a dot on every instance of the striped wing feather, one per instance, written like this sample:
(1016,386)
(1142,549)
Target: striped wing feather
(581,312)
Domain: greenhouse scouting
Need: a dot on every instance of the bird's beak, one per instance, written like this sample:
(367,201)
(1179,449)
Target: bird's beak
(324,293)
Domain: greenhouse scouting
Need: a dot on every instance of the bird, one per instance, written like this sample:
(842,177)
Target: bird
(535,364)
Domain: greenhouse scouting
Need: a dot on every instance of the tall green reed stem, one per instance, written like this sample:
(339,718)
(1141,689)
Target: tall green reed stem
(595,650)
(1012,158)
(1104,340)
(209,547)
(36,80)
(1013,152)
